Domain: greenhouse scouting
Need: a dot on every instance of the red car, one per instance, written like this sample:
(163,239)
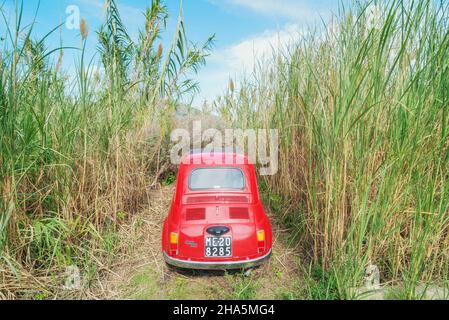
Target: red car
(216,220)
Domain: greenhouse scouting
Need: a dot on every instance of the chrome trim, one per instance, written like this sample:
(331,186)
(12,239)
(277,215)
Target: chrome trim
(219,265)
(225,230)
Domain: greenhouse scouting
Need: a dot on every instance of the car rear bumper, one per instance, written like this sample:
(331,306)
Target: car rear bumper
(222,265)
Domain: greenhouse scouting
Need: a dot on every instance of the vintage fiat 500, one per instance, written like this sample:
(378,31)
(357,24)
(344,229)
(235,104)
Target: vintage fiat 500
(216,220)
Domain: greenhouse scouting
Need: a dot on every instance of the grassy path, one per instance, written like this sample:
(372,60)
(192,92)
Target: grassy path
(139,271)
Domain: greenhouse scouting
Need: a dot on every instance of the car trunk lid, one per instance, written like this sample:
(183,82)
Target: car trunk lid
(197,219)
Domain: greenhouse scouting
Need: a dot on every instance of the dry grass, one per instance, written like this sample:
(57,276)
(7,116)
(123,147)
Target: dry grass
(362,117)
(139,245)
(80,152)
(138,270)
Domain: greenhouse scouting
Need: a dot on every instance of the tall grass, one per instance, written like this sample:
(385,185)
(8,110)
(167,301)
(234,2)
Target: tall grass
(76,154)
(362,110)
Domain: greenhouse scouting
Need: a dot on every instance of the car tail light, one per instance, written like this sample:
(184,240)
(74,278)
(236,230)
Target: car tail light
(174,238)
(261,241)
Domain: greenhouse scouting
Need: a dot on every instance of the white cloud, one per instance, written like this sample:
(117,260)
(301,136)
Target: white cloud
(233,61)
(94,7)
(127,13)
(245,53)
(293,9)
(132,17)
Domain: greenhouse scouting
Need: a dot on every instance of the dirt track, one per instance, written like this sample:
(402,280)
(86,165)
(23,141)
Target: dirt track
(139,271)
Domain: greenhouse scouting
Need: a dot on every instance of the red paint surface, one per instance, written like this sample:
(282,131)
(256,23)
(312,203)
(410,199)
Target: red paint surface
(192,212)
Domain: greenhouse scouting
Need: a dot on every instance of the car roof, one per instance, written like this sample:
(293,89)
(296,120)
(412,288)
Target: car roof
(216,158)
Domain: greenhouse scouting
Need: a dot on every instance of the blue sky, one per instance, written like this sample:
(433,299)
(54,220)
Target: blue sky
(243,28)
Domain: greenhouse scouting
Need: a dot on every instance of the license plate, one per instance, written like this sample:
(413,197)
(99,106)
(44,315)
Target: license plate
(217,247)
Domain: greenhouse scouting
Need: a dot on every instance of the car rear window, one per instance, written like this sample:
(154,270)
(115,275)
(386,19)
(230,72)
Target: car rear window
(216,179)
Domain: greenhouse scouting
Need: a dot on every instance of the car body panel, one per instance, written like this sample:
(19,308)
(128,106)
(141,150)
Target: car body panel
(192,212)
